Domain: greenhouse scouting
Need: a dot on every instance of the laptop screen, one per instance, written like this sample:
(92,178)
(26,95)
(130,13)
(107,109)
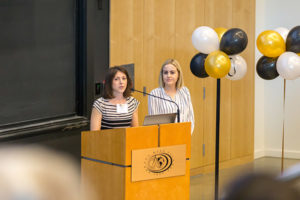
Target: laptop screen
(159,119)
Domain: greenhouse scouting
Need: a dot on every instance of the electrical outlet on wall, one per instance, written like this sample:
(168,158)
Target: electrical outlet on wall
(99,87)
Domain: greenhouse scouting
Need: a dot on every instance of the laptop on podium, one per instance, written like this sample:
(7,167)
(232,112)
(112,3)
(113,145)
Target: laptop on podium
(159,119)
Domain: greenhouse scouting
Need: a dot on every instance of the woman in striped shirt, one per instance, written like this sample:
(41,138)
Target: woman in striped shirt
(171,88)
(117,108)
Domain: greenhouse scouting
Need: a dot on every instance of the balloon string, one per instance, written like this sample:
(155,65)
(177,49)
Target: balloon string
(282,151)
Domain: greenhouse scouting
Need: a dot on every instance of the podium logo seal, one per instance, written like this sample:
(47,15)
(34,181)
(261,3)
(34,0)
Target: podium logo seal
(158,162)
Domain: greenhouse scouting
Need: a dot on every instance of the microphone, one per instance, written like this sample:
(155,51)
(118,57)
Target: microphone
(145,93)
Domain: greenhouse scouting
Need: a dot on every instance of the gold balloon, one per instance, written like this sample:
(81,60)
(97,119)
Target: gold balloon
(220,31)
(298,54)
(270,44)
(217,64)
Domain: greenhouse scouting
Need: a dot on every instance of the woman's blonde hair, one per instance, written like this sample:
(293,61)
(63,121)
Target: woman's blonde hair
(176,64)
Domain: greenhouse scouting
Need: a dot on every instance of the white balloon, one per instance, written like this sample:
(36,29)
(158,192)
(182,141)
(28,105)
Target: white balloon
(238,68)
(288,65)
(205,39)
(283,32)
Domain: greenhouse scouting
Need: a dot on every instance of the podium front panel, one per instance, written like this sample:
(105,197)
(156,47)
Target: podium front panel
(106,162)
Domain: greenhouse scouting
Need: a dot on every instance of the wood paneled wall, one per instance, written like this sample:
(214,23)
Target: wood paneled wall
(147,32)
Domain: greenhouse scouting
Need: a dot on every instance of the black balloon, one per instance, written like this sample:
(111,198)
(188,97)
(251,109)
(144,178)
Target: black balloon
(293,40)
(197,65)
(266,68)
(234,41)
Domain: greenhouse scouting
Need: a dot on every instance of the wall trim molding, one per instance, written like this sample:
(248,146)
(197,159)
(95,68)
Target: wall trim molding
(259,153)
(277,153)
(54,125)
(222,165)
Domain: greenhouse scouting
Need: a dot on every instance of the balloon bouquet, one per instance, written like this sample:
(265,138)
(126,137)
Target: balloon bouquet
(219,49)
(218,57)
(279,48)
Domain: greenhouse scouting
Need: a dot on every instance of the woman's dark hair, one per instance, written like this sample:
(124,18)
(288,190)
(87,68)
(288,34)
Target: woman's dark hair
(108,91)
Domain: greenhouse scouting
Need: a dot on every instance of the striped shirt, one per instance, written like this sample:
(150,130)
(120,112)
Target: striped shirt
(183,100)
(110,117)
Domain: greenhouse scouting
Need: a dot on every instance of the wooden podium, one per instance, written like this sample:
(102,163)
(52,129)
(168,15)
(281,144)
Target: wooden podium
(106,163)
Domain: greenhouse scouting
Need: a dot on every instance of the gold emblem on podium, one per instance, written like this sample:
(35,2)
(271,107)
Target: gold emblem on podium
(158,162)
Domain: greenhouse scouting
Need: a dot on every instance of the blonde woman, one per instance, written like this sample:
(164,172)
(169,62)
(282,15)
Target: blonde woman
(171,88)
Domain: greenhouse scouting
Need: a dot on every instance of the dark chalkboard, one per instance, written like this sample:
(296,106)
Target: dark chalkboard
(37,60)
